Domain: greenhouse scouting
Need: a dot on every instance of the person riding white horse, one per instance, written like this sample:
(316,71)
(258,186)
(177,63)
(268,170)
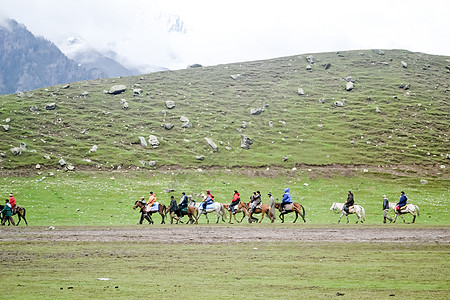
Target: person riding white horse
(402,202)
(208,199)
(350,202)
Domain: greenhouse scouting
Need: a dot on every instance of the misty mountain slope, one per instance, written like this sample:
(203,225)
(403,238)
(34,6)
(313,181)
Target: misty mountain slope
(393,115)
(28,62)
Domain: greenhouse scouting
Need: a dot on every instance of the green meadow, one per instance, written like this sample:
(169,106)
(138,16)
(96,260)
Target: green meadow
(107,198)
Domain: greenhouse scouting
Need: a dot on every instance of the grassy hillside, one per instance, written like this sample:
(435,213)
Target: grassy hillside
(412,126)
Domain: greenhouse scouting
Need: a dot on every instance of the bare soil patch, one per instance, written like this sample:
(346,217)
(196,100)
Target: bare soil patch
(226,234)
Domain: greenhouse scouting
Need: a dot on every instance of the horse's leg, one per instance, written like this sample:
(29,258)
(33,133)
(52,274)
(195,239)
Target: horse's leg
(142,218)
(340,218)
(395,217)
(282,217)
(162,216)
(296,216)
(357,218)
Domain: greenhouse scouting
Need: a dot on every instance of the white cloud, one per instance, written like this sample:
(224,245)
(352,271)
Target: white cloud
(232,31)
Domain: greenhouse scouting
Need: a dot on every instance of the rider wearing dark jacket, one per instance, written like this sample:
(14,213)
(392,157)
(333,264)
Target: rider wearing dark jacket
(350,201)
(256,201)
(183,203)
(402,201)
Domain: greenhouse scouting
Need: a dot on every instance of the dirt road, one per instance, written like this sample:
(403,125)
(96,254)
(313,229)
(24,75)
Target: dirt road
(226,234)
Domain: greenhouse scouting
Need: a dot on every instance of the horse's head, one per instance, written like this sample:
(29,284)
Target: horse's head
(138,203)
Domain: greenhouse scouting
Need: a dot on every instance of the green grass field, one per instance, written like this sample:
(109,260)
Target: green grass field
(106,198)
(283,270)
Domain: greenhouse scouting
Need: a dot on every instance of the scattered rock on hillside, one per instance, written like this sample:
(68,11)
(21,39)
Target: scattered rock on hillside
(350,79)
(5,127)
(170,104)
(153,141)
(186,125)
(322,100)
(212,144)
(244,125)
(349,86)
(125,105)
(423,181)
(66,86)
(300,91)
(404,64)
(168,126)
(184,119)
(310,59)
(117,89)
(16,151)
(308,68)
(62,162)
(378,51)
(50,106)
(193,66)
(143,141)
(285,158)
(270,124)
(256,111)
(23,146)
(152,163)
(199,157)
(377,110)
(246,142)
(93,149)
(84,94)
(137,92)
(327,66)
(338,103)
(20,94)
(34,108)
(236,76)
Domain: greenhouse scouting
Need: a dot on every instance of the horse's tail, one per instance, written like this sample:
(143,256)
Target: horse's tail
(417,208)
(363,214)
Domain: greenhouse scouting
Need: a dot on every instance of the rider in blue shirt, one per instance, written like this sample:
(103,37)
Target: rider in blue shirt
(287,199)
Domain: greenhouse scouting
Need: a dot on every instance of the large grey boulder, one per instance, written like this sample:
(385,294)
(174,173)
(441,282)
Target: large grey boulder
(404,64)
(256,111)
(350,79)
(153,141)
(310,59)
(212,144)
(378,51)
(338,103)
(236,76)
(143,141)
(170,104)
(168,126)
(246,142)
(62,162)
(349,86)
(5,127)
(50,106)
(117,89)
(300,91)
(137,92)
(16,151)
(184,119)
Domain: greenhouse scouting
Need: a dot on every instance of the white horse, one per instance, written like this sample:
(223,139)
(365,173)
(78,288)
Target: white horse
(409,209)
(355,209)
(218,208)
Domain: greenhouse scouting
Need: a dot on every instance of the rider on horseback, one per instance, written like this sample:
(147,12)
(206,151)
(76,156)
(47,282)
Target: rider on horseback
(234,202)
(209,199)
(350,202)
(182,206)
(12,202)
(402,201)
(7,213)
(255,201)
(151,201)
(287,199)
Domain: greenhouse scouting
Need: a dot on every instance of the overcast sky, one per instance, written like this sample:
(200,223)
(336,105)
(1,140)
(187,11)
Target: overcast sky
(233,31)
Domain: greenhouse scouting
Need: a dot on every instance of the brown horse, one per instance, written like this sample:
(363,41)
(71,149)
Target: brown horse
(19,211)
(264,210)
(296,207)
(148,215)
(242,207)
(190,212)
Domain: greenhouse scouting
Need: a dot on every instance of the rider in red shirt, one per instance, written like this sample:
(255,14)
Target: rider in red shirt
(12,202)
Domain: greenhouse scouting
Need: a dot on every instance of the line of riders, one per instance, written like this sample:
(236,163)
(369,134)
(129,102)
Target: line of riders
(189,207)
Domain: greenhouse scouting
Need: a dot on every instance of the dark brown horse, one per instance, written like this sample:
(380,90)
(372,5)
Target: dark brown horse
(190,212)
(19,211)
(263,210)
(242,207)
(148,215)
(296,207)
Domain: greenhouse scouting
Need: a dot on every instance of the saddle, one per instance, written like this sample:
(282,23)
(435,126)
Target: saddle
(209,206)
(351,209)
(289,206)
(402,208)
(154,207)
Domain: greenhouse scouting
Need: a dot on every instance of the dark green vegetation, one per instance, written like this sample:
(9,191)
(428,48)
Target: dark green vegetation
(412,127)
(283,270)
